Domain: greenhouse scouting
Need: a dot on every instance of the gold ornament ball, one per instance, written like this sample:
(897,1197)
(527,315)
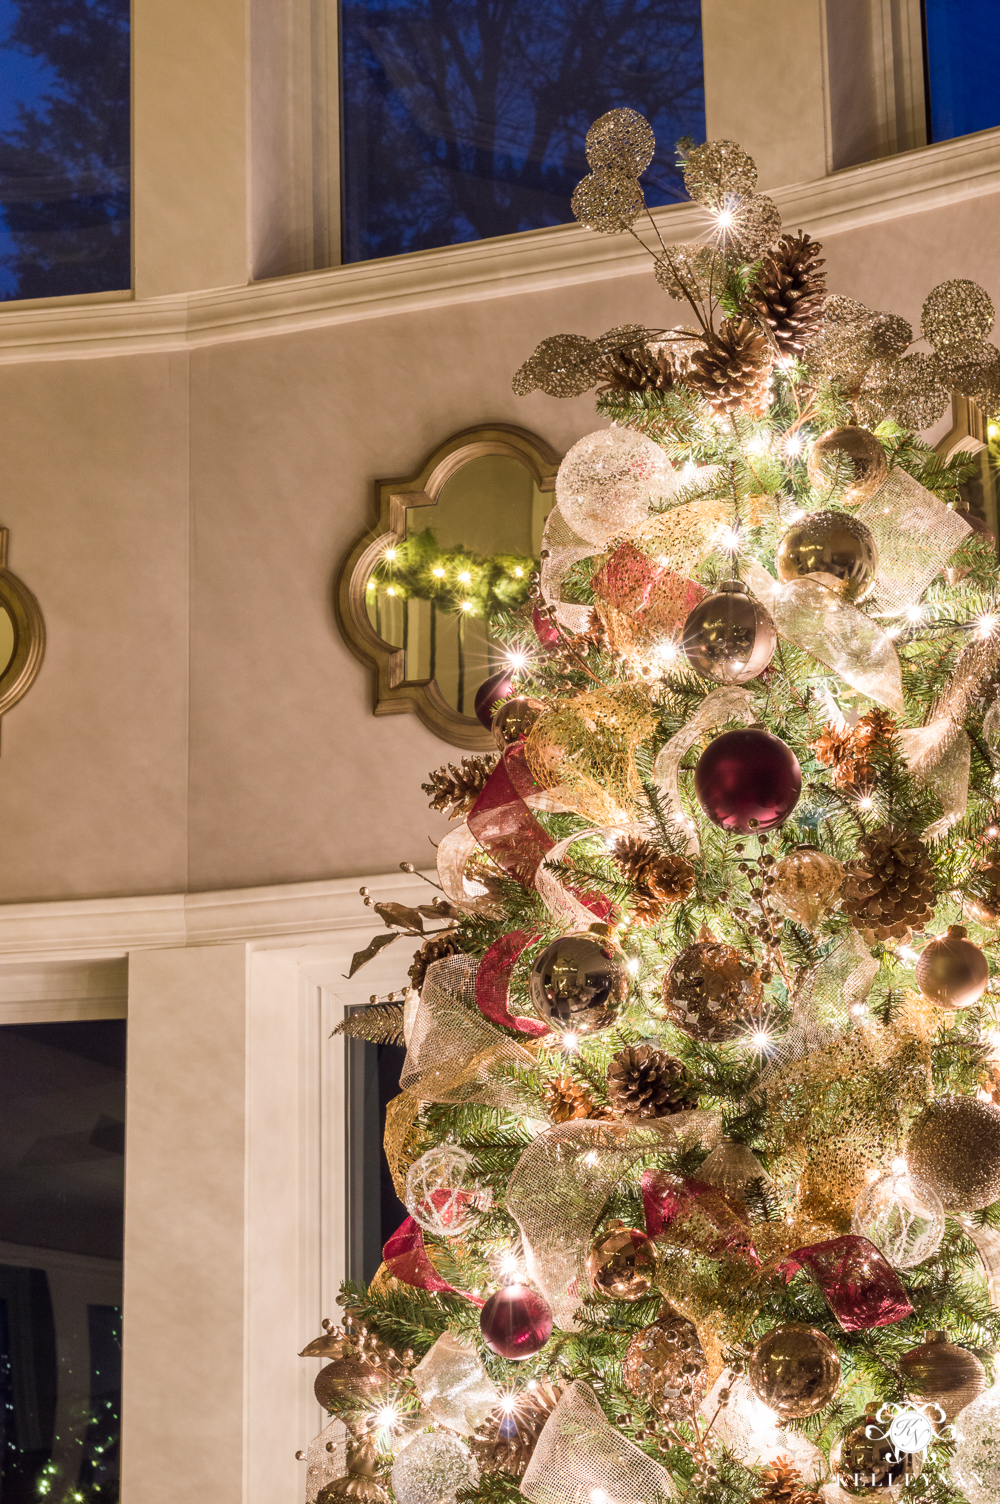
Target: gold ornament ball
(869,1465)
(350,1379)
(666,1366)
(514,718)
(795,1370)
(806,884)
(728,636)
(711,990)
(861,448)
(954,1147)
(621,1263)
(952,971)
(939,1372)
(833,548)
(986,910)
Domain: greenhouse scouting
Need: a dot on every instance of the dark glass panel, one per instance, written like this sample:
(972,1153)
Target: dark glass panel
(374,1209)
(963,66)
(466,118)
(64,147)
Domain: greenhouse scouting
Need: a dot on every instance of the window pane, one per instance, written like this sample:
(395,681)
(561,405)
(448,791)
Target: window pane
(963,66)
(466,118)
(64,147)
(62,1142)
(373,1209)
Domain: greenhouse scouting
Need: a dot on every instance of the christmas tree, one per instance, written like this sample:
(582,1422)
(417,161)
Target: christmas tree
(698,1125)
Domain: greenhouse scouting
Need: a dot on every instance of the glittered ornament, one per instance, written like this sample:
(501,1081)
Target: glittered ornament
(953,1148)
(853,450)
(432,1469)
(834,548)
(748,780)
(359,1482)
(666,1366)
(952,971)
(442,1193)
(730,1166)
(904,1223)
(795,1370)
(516,1321)
(866,1462)
(728,636)
(579,981)
(711,991)
(350,1380)
(491,693)
(514,718)
(939,1372)
(977,524)
(607,480)
(621,1263)
(984,905)
(805,884)
(975,1463)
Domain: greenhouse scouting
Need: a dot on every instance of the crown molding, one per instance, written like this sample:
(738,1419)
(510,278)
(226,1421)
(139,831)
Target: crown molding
(913,182)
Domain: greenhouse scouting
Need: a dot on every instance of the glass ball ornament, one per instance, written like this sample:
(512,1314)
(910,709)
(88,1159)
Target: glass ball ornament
(579,981)
(795,1370)
(975,1464)
(939,1372)
(516,1322)
(442,1194)
(728,636)
(621,1264)
(854,447)
(432,1468)
(491,693)
(952,971)
(953,1149)
(905,1224)
(866,1463)
(712,990)
(607,480)
(834,548)
(804,885)
(748,780)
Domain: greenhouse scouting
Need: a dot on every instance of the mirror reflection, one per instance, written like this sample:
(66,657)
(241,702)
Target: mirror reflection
(464,564)
(8,639)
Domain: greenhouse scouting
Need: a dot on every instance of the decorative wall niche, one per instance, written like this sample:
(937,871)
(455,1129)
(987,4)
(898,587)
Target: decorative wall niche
(22,634)
(450,544)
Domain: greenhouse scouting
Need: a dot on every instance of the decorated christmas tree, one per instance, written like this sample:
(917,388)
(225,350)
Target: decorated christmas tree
(697,1124)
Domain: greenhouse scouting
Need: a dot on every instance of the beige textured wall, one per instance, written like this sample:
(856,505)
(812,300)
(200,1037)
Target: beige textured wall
(216,732)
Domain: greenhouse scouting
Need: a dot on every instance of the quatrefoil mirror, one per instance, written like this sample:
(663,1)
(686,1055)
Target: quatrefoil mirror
(451,553)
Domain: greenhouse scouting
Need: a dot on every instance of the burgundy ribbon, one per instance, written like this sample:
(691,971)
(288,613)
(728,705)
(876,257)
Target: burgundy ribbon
(503,824)
(406,1259)
(625,579)
(710,1219)
(493,983)
(861,1286)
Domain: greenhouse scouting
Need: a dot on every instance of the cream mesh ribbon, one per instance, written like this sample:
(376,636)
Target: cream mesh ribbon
(454,1385)
(915,535)
(562,1180)
(822,1002)
(813,618)
(721,705)
(561,549)
(751,1431)
(580,1458)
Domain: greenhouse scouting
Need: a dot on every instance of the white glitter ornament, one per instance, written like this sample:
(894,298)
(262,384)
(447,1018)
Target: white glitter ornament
(432,1469)
(975,1467)
(607,480)
(907,1225)
(442,1192)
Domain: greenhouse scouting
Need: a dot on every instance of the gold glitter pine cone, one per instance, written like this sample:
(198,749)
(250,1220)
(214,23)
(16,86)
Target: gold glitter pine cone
(783,1484)
(434,948)
(658,877)
(566,1101)
(644,1082)
(788,292)
(505,1440)
(732,369)
(453,790)
(889,889)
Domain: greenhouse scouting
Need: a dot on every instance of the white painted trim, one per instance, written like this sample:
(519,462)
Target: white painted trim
(913,182)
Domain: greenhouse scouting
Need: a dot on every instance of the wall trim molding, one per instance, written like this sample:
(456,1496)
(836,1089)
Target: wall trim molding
(911,183)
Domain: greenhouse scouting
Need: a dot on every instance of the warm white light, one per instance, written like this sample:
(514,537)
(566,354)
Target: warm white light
(387,1415)
(592,1158)
(465,578)
(518,572)
(438,573)
(986,626)
(667,651)
(517,659)
(570,1041)
(760,1040)
(914,613)
(390,554)
(991,831)
(993,431)
(688,470)
(759,444)
(531,1384)
(867,802)
(906,954)
(857,1009)
(466,605)
(509,1265)
(632,965)
(729,538)
(794,444)
(725,219)
(508,1404)
(898,1166)
(390,591)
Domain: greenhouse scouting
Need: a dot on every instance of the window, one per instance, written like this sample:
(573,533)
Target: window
(962,46)
(466,118)
(64,147)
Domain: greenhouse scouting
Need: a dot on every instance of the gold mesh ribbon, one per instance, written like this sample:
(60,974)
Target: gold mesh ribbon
(562,1180)
(401,1140)
(580,1458)
(454,1385)
(721,705)
(561,549)
(684,536)
(586,747)
(915,535)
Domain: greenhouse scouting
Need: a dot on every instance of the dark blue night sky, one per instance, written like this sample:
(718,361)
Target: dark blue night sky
(963,66)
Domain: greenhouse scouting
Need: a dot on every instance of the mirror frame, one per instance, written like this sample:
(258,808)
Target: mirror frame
(29,633)
(393,693)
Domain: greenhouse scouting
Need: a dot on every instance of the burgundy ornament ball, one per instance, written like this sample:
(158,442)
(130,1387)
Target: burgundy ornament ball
(748,780)
(516,1322)
(545,630)
(498,687)
(952,971)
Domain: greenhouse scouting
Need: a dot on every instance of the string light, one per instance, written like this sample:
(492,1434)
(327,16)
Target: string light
(986,626)
(390,591)
(438,573)
(914,613)
(632,965)
(866,802)
(570,1041)
(465,605)
(518,572)
(465,578)
(389,554)
(517,658)
(668,651)
(794,444)
(729,539)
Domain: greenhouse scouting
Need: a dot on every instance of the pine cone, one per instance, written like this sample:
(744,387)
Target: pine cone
(732,370)
(434,948)
(890,888)
(788,292)
(658,878)
(506,1439)
(644,1082)
(846,752)
(567,1101)
(455,790)
(783,1485)
(641,368)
